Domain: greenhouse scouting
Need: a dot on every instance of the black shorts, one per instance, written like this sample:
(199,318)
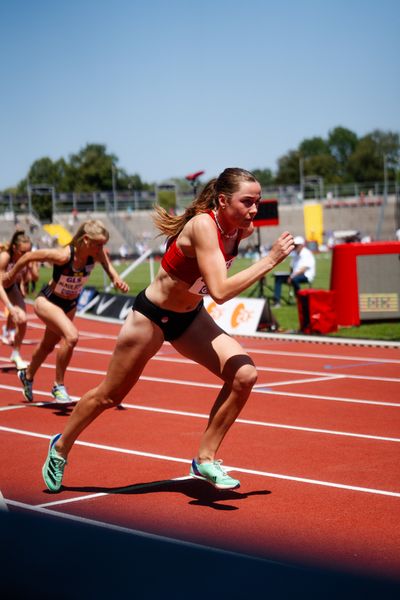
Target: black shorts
(66,304)
(173,324)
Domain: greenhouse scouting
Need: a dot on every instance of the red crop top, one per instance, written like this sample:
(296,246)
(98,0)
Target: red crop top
(186,269)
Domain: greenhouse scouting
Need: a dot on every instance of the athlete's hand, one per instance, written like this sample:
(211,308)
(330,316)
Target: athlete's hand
(120,284)
(16,314)
(281,248)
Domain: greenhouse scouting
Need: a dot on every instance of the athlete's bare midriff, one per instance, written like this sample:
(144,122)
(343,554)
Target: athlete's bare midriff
(171,293)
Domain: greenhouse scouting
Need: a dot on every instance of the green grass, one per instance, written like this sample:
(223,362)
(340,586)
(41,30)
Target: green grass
(287,315)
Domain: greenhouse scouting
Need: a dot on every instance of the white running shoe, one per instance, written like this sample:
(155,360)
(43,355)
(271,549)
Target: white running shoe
(5,335)
(18,360)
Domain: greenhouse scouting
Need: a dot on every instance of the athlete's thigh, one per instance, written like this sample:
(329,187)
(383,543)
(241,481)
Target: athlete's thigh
(210,346)
(53,317)
(138,340)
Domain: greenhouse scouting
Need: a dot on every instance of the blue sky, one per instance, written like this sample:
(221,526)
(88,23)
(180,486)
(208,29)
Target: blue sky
(176,86)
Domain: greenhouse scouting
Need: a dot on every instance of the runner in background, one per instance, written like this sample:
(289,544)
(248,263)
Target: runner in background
(56,303)
(13,295)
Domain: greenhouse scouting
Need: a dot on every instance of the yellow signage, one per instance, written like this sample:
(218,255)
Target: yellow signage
(379,302)
(313,222)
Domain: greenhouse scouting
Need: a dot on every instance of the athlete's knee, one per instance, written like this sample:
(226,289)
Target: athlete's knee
(245,378)
(109,400)
(72,337)
(22,318)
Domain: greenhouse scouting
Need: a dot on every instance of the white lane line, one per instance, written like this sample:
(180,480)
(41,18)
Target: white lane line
(143,486)
(138,533)
(278,352)
(265,423)
(327,373)
(281,370)
(167,458)
(183,413)
(260,389)
(3,504)
(159,358)
(326,398)
(293,381)
(82,334)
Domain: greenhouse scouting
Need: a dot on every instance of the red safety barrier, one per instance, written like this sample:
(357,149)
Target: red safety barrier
(317,311)
(344,279)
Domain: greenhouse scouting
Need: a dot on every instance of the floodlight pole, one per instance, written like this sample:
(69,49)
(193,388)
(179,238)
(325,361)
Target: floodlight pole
(385,197)
(114,187)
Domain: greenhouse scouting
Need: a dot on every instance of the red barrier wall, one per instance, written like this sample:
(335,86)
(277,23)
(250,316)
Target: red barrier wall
(344,276)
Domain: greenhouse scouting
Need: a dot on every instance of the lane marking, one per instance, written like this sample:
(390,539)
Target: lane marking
(293,381)
(238,420)
(264,389)
(265,423)
(328,398)
(322,356)
(144,534)
(187,361)
(125,489)
(3,504)
(282,370)
(82,334)
(167,458)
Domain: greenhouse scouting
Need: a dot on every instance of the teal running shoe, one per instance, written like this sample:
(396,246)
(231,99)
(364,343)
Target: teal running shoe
(214,474)
(27,385)
(60,394)
(53,468)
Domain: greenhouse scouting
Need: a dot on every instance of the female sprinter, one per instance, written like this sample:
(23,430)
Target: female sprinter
(12,295)
(202,244)
(56,303)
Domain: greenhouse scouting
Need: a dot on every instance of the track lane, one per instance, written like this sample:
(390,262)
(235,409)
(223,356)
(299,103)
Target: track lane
(274,517)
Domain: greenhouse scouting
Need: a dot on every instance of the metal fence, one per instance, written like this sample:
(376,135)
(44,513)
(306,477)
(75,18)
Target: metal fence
(118,201)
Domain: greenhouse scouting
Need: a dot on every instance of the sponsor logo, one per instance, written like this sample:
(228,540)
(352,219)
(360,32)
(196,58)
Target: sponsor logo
(379,302)
(240,315)
(125,309)
(104,304)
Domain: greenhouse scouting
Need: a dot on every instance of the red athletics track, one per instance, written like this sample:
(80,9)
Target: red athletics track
(316,450)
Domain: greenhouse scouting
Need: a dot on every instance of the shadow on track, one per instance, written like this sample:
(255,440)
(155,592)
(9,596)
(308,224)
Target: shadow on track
(200,492)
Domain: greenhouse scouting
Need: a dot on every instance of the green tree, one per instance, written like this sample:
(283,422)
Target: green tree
(129,182)
(324,166)
(263,176)
(315,146)
(91,169)
(289,168)
(45,172)
(366,164)
(342,143)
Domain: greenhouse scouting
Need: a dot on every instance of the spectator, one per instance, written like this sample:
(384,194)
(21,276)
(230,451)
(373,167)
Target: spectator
(302,270)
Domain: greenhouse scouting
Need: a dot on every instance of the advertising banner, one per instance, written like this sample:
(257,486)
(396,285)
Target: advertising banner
(240,316)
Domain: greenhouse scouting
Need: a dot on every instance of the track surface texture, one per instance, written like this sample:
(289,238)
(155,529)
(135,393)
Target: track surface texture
(316,449)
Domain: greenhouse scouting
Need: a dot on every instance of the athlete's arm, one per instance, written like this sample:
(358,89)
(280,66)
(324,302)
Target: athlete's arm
(117,282)
(56,256)
(4,260)
(212,264)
